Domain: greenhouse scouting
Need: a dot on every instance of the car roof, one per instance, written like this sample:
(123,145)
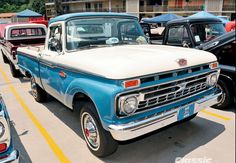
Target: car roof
(193,20)
(85,14)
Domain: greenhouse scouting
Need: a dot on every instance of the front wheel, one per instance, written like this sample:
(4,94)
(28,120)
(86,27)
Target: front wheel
(99,141)
(38,93)
(226,98)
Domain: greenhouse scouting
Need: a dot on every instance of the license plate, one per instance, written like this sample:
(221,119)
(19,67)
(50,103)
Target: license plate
(185,112)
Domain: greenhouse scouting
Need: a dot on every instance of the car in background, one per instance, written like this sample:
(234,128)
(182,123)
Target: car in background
(207,34)
(16,35)
(7,151)
(230,26)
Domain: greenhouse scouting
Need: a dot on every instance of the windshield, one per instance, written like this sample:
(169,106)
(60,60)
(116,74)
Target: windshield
(205,32)
(97,32)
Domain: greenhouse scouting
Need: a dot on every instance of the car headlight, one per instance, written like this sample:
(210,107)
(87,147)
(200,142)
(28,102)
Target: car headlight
(128,105)
(212,79)
(2,129)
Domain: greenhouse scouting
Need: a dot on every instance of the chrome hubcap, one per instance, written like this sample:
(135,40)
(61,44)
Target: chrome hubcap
(221,98)
(90,131)
(33,88)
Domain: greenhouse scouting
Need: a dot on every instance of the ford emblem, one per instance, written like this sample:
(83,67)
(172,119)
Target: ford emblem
(182,62)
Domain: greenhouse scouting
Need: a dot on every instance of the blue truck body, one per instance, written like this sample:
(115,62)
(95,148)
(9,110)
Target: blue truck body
(185,90)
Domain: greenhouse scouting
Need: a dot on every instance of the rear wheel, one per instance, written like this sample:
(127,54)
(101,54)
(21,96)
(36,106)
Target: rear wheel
(226,98)
(38,93)
(99,141)
(15,73)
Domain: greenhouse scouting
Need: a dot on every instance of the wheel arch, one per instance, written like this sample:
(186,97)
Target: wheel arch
(230,83)
(80,97)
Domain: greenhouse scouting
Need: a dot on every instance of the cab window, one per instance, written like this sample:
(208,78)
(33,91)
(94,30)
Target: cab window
(55,38)
(178,35)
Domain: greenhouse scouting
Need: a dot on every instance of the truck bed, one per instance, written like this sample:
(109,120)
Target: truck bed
(30,50)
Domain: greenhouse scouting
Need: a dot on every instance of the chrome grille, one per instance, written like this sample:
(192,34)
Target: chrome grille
(166,93)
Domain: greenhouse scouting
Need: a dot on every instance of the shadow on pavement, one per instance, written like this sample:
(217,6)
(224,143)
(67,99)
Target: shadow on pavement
(165,145)
(24,157)
(66,115)
(162,146)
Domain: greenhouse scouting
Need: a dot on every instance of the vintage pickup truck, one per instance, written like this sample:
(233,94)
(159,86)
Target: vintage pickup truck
(14,35)
(101,65)
(7,151)
(207,34)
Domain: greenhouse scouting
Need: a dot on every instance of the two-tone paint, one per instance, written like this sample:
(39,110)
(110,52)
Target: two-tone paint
(99,73)
(9,154)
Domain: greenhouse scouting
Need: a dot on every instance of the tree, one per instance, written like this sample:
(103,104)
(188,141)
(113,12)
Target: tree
(38,6)
(13,5)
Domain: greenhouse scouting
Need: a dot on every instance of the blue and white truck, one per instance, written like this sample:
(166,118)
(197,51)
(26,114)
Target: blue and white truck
(101,65)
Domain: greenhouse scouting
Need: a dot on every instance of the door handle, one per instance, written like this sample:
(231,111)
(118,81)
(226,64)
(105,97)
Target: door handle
(62,74)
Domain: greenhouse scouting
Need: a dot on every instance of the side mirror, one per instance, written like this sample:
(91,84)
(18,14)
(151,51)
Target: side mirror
(2,40)
(148,39)
(186,44)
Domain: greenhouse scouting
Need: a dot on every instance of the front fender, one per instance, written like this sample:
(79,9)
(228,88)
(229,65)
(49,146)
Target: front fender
(101,93)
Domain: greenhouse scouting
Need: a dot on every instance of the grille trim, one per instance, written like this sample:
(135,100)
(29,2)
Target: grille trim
(178,100)
(174,86)
(175,73)
(164,98)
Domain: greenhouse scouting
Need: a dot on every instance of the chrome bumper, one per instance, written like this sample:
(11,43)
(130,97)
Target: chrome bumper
(137,128)
(13,157)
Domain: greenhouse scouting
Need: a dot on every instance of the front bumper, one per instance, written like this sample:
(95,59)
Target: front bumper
(137,128)
(13,157)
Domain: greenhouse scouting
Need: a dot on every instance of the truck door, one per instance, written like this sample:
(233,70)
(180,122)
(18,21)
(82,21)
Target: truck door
(49,70)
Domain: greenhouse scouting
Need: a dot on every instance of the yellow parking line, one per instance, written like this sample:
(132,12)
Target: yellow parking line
(55,148)
(216,115)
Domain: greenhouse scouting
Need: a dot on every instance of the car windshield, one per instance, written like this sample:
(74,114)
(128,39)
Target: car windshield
(207,31)
(99,32)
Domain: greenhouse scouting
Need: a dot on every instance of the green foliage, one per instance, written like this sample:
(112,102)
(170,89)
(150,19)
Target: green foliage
(39,6)
(20,5)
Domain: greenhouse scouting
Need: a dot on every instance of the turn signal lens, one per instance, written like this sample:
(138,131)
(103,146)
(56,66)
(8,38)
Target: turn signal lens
(3,147)
(131,83)
(214,65)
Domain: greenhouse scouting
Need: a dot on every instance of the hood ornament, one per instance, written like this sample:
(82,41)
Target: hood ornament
(182,62)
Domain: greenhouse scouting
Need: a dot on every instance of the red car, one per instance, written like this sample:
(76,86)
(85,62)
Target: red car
(16,35)
(230,26)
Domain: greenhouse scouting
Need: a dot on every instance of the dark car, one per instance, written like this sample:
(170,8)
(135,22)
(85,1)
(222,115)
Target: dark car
(207,34)
(224,47)
(7,151)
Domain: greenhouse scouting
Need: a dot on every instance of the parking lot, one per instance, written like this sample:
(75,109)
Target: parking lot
(49,132)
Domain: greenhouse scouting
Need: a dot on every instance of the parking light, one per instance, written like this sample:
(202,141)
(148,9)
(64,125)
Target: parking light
(131,83)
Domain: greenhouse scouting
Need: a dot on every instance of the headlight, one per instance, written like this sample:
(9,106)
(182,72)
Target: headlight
(128,105)
(212,79)
(2,129)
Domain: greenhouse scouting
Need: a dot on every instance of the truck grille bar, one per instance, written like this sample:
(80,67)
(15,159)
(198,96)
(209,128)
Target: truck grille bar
(166,93)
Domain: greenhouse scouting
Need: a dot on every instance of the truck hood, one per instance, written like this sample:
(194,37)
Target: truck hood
(129,61)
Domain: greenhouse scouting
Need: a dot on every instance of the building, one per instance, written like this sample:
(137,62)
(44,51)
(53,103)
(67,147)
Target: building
(6,17)
(141,8)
